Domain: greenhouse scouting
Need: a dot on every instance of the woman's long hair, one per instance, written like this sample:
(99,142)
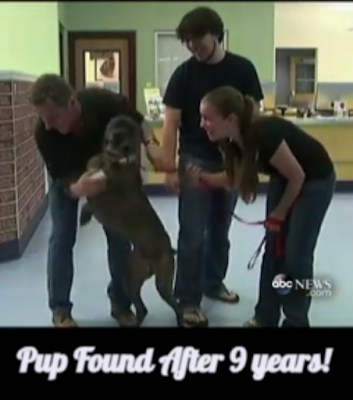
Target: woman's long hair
(240,161)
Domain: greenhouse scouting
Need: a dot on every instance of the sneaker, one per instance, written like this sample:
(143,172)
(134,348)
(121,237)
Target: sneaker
(63,320)
(125,317)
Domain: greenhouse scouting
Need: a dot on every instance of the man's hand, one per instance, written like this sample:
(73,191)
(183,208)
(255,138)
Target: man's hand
(158,159)
(89,185)
(155,153)
(172,182)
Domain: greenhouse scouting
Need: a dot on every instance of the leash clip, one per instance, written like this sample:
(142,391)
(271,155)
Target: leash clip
(253,259)
(257,253)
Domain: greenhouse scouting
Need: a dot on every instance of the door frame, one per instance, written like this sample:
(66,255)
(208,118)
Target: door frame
(130,36)
(61,49)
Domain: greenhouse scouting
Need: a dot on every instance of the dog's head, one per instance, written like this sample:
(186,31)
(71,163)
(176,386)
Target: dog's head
(122,139)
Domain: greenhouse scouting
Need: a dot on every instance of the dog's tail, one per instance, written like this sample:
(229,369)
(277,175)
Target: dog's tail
(85,215)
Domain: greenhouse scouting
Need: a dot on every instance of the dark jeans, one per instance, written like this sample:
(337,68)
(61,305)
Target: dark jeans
(205,217)
(301,231)
(64,213)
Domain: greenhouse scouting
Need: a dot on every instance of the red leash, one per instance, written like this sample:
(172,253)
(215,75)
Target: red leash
(245,222)
(279,249)
(257,253)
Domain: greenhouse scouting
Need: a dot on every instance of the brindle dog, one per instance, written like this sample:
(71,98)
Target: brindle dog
(124,208)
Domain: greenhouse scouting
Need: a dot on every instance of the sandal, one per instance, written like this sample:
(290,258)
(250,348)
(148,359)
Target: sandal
(224,294)
(252,323)
(193,318)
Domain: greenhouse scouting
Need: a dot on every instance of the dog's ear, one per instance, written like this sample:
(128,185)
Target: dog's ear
(124,122)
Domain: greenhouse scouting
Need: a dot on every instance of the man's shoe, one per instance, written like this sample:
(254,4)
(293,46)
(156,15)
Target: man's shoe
(125,317)
(63,320)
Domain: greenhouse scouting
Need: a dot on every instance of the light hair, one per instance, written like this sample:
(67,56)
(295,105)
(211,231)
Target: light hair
(226,101)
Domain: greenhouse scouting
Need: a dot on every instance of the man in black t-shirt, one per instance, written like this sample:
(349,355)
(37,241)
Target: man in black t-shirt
(69,132)
(204,214)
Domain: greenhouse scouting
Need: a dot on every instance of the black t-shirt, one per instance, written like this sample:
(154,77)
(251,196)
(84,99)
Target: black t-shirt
(191,81)
(309,152)
(67,154)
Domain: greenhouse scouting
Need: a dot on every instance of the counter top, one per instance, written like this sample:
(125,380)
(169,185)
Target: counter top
(300,121)
(321,121)
(154,122)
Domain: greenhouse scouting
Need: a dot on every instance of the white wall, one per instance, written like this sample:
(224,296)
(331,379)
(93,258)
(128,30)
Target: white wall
(325,26)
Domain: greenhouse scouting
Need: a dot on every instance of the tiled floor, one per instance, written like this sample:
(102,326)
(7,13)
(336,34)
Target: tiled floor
(23,283)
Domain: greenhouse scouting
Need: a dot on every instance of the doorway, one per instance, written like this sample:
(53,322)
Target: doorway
(296,71)
(61,50)
(103,59)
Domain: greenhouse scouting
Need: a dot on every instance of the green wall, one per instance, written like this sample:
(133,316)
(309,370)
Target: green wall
(250,26)
(62,12)
(29,37)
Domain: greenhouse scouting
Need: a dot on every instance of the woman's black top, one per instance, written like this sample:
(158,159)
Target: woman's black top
(309,152)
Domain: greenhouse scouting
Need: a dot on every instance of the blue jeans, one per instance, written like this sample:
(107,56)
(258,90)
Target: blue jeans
(301,232)
(205,216)
(60,268)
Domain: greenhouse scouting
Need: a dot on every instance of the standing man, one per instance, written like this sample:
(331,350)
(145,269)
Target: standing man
(205,214)
(69,132)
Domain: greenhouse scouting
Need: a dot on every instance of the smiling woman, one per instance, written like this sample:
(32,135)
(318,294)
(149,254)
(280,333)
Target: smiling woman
(302,181)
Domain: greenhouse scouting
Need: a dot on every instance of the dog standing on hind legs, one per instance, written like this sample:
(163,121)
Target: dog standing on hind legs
(123,207)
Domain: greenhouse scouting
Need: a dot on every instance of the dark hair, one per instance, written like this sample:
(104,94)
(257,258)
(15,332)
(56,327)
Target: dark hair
(200,22)
(240,164)
(51,88)
(124,123)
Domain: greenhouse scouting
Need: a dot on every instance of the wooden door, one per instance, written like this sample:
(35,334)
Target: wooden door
(61,53)
(103,61)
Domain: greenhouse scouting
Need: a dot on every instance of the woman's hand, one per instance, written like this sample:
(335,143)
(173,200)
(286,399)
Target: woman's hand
(275,220)
(196,175)
(89,185)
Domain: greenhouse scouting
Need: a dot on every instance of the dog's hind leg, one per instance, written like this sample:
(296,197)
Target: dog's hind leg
(136,299)
(136,276)
(164,271)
